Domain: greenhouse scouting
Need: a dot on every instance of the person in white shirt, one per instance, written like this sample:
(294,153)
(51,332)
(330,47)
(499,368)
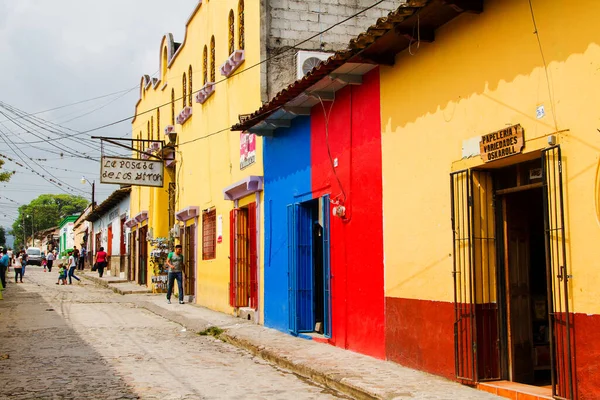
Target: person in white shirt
(50,260)
(18,267)
(72,266)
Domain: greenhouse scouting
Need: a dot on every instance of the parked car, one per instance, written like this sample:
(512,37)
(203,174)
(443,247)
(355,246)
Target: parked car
(34,256)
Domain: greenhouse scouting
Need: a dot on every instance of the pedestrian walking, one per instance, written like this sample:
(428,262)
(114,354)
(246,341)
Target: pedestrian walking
(50,260)
(81,264)
(18,267)
(175,265)
(101,261)
(10,256)
(4,263)
(76,255)
(72,266)
(24,258)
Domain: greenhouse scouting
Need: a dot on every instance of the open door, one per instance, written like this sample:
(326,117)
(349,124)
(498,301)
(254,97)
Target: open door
(325,209)
(476,344)
(292,242)
(561,323)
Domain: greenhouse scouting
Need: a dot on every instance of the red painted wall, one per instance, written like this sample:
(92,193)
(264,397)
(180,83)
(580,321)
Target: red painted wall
(354,129)
(587,356)
(420,335)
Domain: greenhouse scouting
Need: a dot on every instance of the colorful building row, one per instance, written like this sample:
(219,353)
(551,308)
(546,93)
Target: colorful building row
(428,195)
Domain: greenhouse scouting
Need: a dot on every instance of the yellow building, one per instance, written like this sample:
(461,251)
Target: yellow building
(491,192)
(230,61)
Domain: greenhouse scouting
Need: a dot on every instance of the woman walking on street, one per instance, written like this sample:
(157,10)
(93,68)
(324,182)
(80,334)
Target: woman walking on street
(50,260)
(72,266)
(18,267)
(101,261)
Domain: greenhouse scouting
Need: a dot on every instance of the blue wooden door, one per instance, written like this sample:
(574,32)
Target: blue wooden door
(292,242)
(325,210)
(305,304)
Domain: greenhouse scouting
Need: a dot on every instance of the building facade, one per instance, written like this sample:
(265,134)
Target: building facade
(109,231)
(212,203)
(66,235)
(490,189)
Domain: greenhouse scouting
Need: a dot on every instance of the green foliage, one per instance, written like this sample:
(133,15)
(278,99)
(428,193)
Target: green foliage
(46,211)
(4,176)
(2,236)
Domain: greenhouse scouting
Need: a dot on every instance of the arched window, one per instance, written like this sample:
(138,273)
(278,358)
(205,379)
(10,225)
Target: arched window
(241,41)
(151,128)
(164,65)
(172,106)
(212,59)
(190,87)
(157,123)
(231,32)
(205,66)
(184,91)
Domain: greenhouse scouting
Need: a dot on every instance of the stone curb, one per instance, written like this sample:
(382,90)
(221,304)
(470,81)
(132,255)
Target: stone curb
(328,380)
(106,284)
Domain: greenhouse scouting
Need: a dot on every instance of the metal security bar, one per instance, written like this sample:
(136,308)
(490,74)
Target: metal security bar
(561,323)
(464,299)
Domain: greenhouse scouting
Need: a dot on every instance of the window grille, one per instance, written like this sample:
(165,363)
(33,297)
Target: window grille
(172,106)
(151,128)
(205,66)
(148,130)
(184,87)
(212,59)
(231,32)
(241,25)
(209,234)
(190,90)
(157,123)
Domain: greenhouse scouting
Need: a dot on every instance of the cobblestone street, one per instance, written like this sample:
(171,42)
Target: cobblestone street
(80,341)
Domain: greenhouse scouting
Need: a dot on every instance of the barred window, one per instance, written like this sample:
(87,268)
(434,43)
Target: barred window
(172,106)
(241,41)
(205,66)
(212,59)
(184,87)
(231,32)
(148,130)
(190,90)
(157,123)
(209,234)
(151,128)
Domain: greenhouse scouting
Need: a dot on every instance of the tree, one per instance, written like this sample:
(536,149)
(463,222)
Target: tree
(2,237)
(4,176)
(46,211)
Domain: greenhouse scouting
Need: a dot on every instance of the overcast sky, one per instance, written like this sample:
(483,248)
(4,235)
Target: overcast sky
(57,52)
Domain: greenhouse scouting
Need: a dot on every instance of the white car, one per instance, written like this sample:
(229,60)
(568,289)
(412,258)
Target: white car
(34,256)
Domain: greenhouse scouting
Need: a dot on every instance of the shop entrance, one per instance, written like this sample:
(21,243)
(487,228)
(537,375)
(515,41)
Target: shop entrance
(142,255)
(243,271)
(309,267)
(189,255)
(526,289)
(510,274)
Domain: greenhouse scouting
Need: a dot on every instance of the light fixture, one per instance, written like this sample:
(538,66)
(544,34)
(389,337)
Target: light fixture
(172,137)
(83,180)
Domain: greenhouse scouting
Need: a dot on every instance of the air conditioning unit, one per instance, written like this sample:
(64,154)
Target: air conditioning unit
(307,60)
(175,231)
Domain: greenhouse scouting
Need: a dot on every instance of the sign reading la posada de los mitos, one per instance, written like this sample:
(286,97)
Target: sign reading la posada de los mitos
(502,143)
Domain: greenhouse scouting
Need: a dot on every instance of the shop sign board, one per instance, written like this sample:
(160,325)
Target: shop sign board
(247,149)
(132,171)
(503,143)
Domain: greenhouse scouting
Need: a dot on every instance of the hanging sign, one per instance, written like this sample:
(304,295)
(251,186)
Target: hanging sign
(503,143)
(247,149)
(131,171)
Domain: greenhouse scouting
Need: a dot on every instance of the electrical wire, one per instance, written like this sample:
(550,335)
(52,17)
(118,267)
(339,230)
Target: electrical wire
(537,35)
(294,47)
(326,117)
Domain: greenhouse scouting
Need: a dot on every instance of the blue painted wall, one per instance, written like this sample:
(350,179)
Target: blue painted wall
(287,180)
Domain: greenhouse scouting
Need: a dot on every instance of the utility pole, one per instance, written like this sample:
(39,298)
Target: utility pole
(24,235)
(32,230)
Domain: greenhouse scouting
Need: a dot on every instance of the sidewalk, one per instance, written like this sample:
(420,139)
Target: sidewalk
(117,285)
(354,374)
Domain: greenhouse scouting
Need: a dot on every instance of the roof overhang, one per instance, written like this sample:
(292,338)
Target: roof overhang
(187,213)
(246,186)
(115,198)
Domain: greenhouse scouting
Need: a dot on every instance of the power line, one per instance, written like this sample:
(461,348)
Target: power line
(294,47)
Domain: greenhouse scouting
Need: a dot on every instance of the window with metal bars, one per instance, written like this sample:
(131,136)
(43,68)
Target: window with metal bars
(184,90)
(148,130)
(172,106)
(190,89)
(209,234)
(231,32)
(241,41)
(158,123)
(151,128)
(205,66)
(212,59)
